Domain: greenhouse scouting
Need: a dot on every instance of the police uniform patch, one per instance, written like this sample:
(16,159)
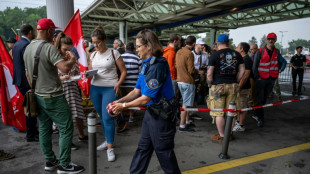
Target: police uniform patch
(153,84)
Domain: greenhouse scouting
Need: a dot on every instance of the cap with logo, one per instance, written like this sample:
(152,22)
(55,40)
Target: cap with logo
(223,38)
(272,35)
(45,23)
(200,41)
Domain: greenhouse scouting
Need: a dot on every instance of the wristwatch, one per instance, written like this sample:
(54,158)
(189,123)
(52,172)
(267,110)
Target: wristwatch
(124,105)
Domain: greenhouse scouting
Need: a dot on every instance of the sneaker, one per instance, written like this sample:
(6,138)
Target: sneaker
(51,165)
(260,123)
(255,117)
(190,125)
(131,119)
(74,147)
(237,123)
(111,155)
(103,146)
(217,138)
(186,129)
(85,138)
(238,128)
(195,117)
(70,169)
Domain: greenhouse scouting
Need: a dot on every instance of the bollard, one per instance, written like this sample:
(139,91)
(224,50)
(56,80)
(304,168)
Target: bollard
(230,117)
(92,150)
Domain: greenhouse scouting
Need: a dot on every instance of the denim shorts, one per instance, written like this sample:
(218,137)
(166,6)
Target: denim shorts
(188,93)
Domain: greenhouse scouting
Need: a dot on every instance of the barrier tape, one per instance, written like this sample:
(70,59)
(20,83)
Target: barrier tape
(230,110)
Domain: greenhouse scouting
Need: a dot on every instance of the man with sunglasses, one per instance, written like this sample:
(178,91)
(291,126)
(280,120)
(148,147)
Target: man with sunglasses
(266,71)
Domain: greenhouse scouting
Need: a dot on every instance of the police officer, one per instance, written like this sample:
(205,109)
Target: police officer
(154,84)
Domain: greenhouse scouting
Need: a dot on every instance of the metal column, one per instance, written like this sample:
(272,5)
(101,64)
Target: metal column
(60,11)
(212,36)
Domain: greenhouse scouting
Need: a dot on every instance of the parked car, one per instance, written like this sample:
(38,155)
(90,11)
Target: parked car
(308,60)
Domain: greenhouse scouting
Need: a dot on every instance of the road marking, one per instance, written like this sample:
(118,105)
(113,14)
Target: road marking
(248,160)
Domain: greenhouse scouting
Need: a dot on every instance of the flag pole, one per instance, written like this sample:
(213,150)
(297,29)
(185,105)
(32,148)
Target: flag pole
(14,31)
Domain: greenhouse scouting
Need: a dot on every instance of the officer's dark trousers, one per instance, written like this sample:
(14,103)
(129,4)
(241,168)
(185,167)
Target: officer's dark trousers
(300,73)
(31,122)
(264,88)
(156,134)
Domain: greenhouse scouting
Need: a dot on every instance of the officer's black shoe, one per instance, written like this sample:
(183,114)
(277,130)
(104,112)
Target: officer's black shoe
(294,93)
(299,93)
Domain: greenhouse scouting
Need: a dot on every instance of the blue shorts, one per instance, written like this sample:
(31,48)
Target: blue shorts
(188,93)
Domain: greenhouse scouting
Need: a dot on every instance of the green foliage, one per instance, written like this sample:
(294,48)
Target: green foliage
(263,41)
(15,17)
(299,42)
(253,40)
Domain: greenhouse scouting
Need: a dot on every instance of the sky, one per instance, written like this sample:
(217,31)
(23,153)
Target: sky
(296,29)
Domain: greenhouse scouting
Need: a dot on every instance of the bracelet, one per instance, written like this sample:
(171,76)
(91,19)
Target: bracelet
(124,105)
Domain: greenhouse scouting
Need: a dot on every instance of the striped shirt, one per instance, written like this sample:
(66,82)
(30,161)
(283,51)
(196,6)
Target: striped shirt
(132,64)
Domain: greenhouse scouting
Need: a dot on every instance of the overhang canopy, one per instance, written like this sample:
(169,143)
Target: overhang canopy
(188,16)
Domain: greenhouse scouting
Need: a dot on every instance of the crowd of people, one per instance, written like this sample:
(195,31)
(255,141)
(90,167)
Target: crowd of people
(143,73)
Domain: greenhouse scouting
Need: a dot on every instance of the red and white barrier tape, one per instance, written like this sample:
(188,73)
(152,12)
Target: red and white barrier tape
(232,110)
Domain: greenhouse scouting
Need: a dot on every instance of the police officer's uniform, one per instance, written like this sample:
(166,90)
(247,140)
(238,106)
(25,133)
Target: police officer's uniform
(157,133)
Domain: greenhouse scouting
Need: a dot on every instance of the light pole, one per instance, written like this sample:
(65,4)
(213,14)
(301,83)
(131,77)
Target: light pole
(282,39)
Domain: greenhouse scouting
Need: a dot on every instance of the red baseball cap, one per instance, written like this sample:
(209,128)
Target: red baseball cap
(272,35)
(45,23)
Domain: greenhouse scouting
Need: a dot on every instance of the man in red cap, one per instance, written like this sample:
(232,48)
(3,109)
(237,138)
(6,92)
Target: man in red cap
(266,71)
(52,104)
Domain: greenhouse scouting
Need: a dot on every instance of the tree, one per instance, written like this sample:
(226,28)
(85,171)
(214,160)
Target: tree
(263,41)
(15,17)
(299,42)
(253,40)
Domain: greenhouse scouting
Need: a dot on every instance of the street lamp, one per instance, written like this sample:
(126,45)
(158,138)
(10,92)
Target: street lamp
(282,39)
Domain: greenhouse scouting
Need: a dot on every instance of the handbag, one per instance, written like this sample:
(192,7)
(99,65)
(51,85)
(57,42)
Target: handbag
(117,69)
(30,102)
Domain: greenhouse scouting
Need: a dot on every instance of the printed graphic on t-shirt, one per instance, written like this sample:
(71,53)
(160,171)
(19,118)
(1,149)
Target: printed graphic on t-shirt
(228,63)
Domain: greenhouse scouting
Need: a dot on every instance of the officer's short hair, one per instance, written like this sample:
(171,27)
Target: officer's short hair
(130,46)
(245,46)
(25,29)
(174,37)
(190,40)
(147,36)
(298,47)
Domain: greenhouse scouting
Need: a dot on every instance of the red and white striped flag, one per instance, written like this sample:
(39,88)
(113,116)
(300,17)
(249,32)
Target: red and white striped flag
(11,99)
(74,30)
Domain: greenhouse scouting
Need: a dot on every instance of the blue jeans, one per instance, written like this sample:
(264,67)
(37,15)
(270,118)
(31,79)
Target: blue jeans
(101,97)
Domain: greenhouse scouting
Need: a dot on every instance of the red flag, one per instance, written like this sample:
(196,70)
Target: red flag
(17,37)
(74,30)
(11,99)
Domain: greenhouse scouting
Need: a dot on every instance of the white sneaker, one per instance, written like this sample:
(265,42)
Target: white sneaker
(111,155)
(103,146)
(238,128)
(237,123)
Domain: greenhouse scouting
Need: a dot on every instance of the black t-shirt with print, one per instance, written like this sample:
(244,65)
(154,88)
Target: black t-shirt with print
(226,66)
(248,66)
(298,60)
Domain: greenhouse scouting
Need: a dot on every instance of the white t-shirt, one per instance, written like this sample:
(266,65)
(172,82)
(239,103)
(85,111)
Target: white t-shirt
(203,57)
(106,65)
